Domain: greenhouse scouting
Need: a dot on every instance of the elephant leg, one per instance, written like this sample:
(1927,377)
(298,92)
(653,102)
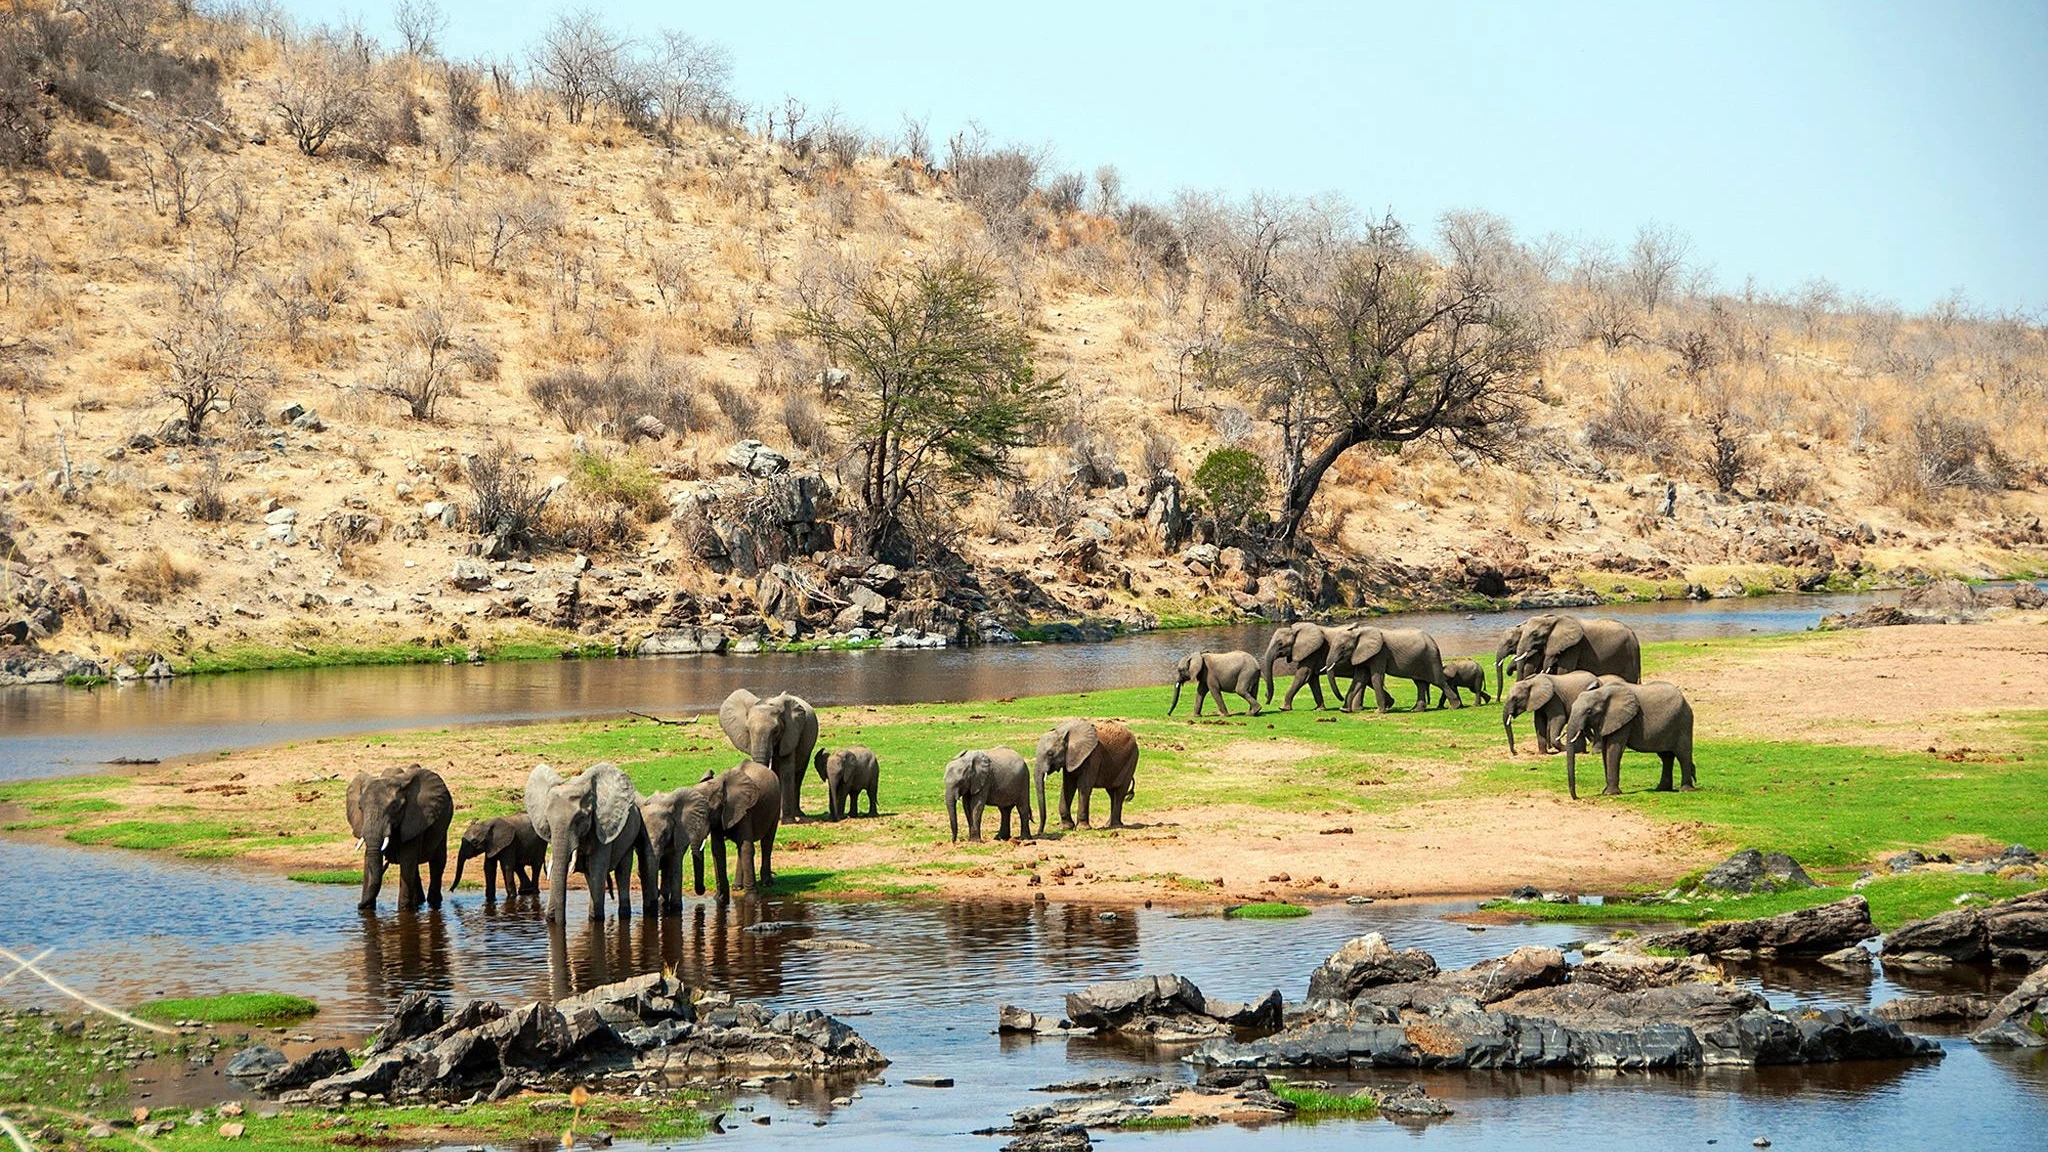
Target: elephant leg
(1294,689)
(1450,694)
(1664,760)
(874,790)
(436,862)
(596,876)
(767,860)
(718,863)
(1383,698)
(1687,783)
(1252,698)
(1004,810)
(491,870)
(1422,688)
(1201,694)
(409,884)
(1612,754)
(1082,803)
(1222,704)
(1116,809)
(974,808)
(1067,799)
(1315,690)
(622,875)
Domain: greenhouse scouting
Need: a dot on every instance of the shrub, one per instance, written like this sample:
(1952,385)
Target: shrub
(741,410)
(208,502)
(806,424)
(1233,482)
(153,577)
(611,403)
(1724,452)
(1630,424)
(509,498)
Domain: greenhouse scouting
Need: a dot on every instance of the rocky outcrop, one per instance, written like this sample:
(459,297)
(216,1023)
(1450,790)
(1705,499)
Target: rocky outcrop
(648,1025)
(27,664)
(1163,1009)
(1966,1007)
(1529,1011)
(1224,1096)
(2021,1019)
(1366,962)
(2013,932)
(1806,932)
(683,641)
(1753,871)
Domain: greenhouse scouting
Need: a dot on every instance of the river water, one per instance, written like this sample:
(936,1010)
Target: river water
(48,731)
(927,990)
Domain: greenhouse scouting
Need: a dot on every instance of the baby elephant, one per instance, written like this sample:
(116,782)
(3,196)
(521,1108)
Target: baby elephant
(1652,717)
(1466,674)
(979,777)
(1218,672)
(847,773)
(510,848)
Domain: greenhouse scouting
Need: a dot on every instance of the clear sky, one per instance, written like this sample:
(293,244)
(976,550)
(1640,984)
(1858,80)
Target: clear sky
(1900,150)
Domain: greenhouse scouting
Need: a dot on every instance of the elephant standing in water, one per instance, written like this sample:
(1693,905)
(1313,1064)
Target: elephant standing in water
(1218,672)
(745,810)
(1370,655)
(677,821)
(1549,698)
(401,816)
(1307,647)
(1557,643)
(778,732)
(1653,717)
(510,848)
(980,777)
(594,817)
(1088,754)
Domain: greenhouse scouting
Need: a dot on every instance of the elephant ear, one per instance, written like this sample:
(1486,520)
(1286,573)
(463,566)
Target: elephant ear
(793,710)
(696,815)
(1622,709)
(427,802)
(356,788)
(980,768)
(614,800)
(1542,690)
(539,783)
(1081,740)
(739,790)
(1569,631)
(732,716)
(501,837)
(1370,641)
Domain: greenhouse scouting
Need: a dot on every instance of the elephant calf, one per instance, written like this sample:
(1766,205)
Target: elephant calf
(1218,672)
(1088,754)
(676,822)
(980,777)
(1466,674)
(510,848)
(1549,697)
(746,810)
(1652,717)
(847,773)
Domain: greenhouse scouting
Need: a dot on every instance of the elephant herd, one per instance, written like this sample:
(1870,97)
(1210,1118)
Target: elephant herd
(1581,680)
(598,824)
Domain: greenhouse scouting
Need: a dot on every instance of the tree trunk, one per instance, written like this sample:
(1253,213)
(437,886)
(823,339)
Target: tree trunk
(1303,491)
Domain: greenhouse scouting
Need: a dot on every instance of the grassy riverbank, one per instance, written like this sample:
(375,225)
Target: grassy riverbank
(1308,805)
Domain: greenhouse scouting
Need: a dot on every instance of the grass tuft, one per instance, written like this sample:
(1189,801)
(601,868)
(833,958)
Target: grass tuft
(1313,1104)
(231,1008)
(349,876)
(1269,910)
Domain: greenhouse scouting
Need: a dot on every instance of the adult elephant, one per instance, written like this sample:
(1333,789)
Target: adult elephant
(745,811)
(1370,655)
(1088,754)
(596,818)
(1549,698)
(1307,647)
(677,822)
(1503,657)
(778,732)
(1218,672)
(1557,643)
(980,777)
(1653,717)
(510,848)
(400,816)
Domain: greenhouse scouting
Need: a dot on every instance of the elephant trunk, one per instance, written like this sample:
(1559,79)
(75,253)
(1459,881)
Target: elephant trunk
(1507,721)
(953,810)
(558,885)
(1176,695)
(1571,770)
(1038,774)
(1265,673)
(373,869)
(1500,681)
(697,865)
(462,854)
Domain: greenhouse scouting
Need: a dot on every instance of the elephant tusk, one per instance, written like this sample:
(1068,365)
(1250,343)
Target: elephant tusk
(386,846)
(359,843)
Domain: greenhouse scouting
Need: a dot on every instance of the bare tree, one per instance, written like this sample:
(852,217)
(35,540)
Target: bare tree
(1109,190)
(206,350)
(322,89)
(688,78)
(419,24)
(180,175)
(420,371)
(577,57)
(1656,263)
(916,141)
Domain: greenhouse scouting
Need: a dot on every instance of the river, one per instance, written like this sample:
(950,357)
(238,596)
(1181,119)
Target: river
(49,731)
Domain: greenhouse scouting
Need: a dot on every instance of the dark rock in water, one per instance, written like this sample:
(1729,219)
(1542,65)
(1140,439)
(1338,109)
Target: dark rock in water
(2013,932)
(1366,962)
(1261,1013)
(929,1081)
(2021,1019)
(1065,1138)
(1164,1009)
(316,1065)
(1406,1100)
(1116,1002)
(1966,1007)
(257,1060)
(1753,871)
(415,1016)
(1230,1078)
(1806,932)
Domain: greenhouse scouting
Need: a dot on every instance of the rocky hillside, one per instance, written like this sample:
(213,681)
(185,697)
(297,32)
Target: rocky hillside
(255,385)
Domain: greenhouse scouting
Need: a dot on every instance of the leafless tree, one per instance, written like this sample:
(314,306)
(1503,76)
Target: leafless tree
(420,370)
(1655,265)
(916,140)
(181,175)
(577,58)
(323,88)
(206,351)
(419,24)
(1109,190)
(689,78)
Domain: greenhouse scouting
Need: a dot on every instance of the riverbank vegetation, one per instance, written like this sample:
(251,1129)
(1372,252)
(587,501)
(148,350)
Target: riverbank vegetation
(231,1008)
(1315,805)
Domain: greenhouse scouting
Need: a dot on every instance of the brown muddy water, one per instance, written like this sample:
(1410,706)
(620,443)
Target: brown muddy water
(131,926)
(53,731)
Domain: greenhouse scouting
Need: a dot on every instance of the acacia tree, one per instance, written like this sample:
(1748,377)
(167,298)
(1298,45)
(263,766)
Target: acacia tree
(1382,345)
(943,387)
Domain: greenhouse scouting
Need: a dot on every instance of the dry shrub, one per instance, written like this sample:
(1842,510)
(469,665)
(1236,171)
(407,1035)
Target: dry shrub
(805,422)
(1943,454)
(509,496)
(209,504)
(1632,425)
(153,577)
(742,412)
(515,150)
(611,401)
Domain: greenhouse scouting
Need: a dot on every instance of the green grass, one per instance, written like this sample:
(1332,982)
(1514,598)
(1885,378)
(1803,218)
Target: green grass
(532,644)
(1894,900)
(1311,1104)
(231,1008)
(349,876)
(1157,1123)
(1266,911)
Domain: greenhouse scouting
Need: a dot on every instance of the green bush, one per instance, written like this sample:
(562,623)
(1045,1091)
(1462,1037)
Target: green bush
(1234,486)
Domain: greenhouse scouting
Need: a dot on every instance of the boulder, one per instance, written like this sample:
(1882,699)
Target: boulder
(1753,871)
(2020,1020)
(865,601)
(1261,1013)
(1806,932)
(470,575)
(2013,931)
(683,641)
(315,1066)
(1365,962)
(1966,1007)
(756,458)
(416,1015)
(1111,1004)
(256,1061)
(1632,970)
(1943,596)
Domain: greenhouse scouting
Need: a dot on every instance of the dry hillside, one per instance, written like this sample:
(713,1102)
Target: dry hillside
(463,274)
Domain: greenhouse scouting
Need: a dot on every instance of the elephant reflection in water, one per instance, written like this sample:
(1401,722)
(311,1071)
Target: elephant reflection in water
(976,927)
(1072,934)
(586,955)
(406,952)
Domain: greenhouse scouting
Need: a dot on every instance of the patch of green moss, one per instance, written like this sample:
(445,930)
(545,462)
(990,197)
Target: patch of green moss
(350,876)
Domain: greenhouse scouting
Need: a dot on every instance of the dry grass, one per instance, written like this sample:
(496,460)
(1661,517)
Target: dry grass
(152,576)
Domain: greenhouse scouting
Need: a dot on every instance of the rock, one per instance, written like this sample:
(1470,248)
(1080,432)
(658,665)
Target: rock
(315,1066)
(1854,957)
(1806,932)
(1632,970)
(683,641)
(470,575)
(866,601)
(1966,1007)
(1116,1002)
(256,1061)
(416,1015)
(756,458)
(2020,1020)
(2024,595)
(1365,962)
(1753,871)
(1262,1013)
(232,1130)
(290,411)
(884,578)
(650,428)
(281,516)
(1065,1138)
(1905,861)
(929,1081)
(1405,1100)
(1201,558)
(1945,595)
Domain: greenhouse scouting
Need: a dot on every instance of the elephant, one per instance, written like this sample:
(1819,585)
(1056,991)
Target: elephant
(1550,698)
(1558,643)
(1653,717)
(510,848)
(1504,657)
(847,773)
(594,817)
(746,808)
(979,777)
(676,822)
(778,732)
(1218,672)
(1088,754)
(400,816)
(1467,674)
(1307,647)
(1369,655)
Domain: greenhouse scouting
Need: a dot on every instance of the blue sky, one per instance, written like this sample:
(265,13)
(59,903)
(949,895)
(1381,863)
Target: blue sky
(1898,150)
